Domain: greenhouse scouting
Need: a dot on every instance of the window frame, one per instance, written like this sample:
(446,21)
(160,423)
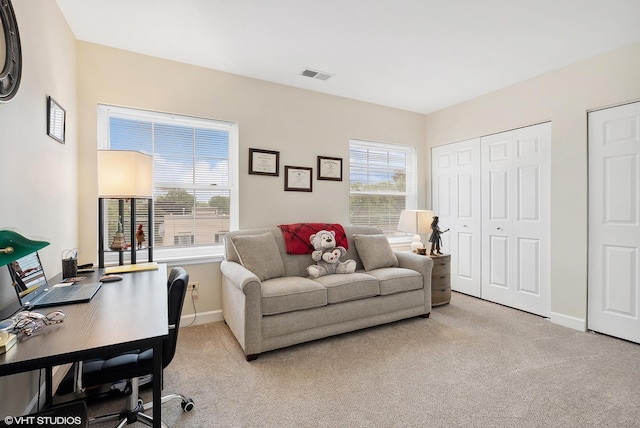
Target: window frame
(190,253)
(411,171)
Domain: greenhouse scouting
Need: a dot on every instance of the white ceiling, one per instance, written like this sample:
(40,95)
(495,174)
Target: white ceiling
(416,55)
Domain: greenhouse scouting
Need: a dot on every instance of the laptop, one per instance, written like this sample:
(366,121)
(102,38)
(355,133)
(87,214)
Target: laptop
(33,290)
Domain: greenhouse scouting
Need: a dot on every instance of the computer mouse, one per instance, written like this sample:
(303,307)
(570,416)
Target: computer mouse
(110,278)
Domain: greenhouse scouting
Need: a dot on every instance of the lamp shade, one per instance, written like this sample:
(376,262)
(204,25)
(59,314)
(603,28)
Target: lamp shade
(14,246)
(124,174)
(415,221)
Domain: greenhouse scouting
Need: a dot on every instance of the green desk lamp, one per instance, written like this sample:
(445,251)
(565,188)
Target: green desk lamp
(14,246)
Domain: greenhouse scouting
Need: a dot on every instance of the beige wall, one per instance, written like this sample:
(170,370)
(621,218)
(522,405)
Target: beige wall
(38,194)
(53,190)
(563,97)
(299,124)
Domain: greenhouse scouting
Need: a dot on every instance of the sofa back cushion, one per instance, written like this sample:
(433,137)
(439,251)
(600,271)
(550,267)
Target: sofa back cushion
(260,254)
(296,264)
(375,251)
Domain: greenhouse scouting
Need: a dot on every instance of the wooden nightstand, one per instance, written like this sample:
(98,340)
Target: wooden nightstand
(441,280)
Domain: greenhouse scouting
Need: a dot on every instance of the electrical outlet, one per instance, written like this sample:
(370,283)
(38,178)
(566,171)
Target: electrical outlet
(193,285)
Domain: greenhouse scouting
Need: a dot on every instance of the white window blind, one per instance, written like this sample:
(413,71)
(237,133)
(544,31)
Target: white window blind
(382,184)
(194,174)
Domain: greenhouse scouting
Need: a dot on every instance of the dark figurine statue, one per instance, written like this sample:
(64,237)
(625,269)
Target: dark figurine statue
(435,239)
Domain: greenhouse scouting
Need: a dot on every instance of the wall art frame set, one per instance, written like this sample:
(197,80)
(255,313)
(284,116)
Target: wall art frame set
(296,178)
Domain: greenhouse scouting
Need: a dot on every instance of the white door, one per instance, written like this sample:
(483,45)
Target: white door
(456,200)
(516,266)
(614,223)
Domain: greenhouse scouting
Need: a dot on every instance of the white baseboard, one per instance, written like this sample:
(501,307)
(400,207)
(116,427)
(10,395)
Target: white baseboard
(201,318)
(579,324)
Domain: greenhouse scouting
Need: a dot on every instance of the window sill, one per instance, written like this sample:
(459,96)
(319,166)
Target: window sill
(190,260)
(175,256)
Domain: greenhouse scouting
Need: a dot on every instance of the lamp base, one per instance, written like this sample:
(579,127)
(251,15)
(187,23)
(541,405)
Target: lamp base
(416,244)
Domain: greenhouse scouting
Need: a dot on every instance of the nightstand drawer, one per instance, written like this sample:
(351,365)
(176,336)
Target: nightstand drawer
(440,297)
(440,267)
(441,280)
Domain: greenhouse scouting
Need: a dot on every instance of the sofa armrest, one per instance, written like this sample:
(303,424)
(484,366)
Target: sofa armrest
(421,264)
(238,275)
(242,305)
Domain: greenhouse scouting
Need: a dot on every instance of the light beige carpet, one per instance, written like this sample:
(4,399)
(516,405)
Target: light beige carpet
(472,364)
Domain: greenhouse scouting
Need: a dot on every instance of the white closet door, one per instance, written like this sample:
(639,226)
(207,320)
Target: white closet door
(456,200)
(614,222)
(515,218)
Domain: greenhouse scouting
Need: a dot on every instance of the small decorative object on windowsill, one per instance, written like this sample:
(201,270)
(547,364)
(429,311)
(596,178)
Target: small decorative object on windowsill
(140,237)
(119,243)
(415,221)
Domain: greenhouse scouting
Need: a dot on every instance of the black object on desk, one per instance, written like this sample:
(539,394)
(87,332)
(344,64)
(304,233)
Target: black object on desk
(101,326)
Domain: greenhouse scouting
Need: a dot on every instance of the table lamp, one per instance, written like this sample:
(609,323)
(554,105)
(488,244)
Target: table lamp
(124,174)
(14,246)
(415,221)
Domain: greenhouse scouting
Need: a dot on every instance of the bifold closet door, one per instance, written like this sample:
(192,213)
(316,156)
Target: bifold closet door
(515,218)
(456,200)
(614,222)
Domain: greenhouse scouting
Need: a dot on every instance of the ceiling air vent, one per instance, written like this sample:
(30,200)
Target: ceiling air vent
(315,74)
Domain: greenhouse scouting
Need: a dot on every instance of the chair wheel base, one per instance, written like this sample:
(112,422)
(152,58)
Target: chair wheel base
(187,405)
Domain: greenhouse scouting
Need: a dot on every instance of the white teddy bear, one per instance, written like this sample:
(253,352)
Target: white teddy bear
(327,256)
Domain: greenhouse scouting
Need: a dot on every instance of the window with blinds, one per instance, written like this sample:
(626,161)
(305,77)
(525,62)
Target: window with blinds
(382,183)
(194,173)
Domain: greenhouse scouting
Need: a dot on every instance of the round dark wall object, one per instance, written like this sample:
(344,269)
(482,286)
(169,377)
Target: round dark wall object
(11,64)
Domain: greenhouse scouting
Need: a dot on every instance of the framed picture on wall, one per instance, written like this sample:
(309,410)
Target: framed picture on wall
(329,168)
(264,162)
(56,118)
(298,178)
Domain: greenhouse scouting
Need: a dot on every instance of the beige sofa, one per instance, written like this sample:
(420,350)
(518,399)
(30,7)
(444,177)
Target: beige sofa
(269,302)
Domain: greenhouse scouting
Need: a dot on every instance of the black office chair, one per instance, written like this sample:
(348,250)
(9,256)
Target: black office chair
(137,364)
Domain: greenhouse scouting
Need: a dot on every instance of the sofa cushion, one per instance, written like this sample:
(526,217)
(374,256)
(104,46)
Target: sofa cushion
(291,293)
(375,251)
(259,254)
(397,280)
(343,287)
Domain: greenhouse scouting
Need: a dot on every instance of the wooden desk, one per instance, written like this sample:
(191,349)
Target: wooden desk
(123,316)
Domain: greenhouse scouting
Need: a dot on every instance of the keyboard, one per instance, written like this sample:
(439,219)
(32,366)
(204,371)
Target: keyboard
(58,293)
